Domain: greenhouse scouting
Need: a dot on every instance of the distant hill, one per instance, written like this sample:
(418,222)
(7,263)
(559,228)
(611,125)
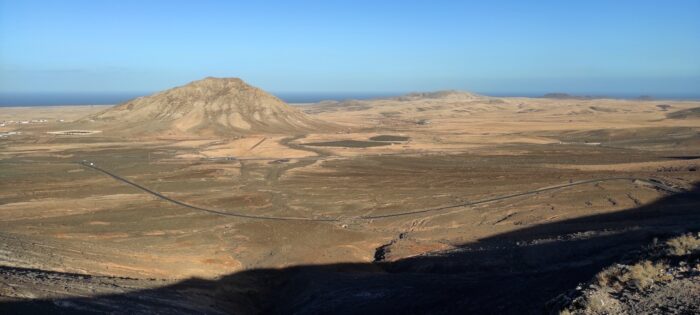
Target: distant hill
(572,97)
(212,106)
(593,97)
(447,94)
(418,101)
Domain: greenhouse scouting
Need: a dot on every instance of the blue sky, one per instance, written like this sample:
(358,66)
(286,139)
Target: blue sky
(642,47)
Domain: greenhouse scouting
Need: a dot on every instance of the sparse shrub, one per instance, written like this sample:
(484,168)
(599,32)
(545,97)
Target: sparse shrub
(610,278)
(684,245)
(601,303)
(645,274)
(639,276)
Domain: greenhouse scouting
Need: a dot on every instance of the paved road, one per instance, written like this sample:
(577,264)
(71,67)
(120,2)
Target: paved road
(650,182)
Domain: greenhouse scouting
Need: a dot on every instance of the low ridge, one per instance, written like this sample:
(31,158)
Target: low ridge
(447,94)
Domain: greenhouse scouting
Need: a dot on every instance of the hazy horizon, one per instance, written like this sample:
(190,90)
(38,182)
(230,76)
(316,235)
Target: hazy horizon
(76,98)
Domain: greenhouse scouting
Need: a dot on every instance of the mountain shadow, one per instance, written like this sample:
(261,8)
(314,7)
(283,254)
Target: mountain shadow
(510,273)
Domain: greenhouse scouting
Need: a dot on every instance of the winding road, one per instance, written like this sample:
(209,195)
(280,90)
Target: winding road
(650,182)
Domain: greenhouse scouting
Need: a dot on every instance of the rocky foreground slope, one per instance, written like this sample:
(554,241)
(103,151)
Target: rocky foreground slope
(663,279)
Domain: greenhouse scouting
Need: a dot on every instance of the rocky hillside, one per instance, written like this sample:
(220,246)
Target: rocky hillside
(208,107)
(663,279)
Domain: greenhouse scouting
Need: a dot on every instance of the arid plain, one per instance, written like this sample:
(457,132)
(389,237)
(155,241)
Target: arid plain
(445,195)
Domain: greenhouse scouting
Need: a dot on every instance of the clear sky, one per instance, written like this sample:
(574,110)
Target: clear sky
(642,47)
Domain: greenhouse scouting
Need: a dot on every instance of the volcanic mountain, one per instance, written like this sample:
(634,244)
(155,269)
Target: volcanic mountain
(208,107)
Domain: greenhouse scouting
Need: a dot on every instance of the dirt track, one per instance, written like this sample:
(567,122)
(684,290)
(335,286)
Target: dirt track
(649,182)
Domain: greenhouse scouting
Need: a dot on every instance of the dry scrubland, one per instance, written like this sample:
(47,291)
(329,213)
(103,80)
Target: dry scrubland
(663,278)
(74,238)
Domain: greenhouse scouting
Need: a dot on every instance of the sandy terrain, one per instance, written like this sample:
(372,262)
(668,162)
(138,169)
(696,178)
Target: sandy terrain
(67,113)
(64,220)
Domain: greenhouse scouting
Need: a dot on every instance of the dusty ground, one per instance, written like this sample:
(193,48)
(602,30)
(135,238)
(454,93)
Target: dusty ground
(51,113)
(71,234)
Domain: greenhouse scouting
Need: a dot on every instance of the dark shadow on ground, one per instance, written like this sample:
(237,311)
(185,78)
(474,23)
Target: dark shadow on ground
(511,273)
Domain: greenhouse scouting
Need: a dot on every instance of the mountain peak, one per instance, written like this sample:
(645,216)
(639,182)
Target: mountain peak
(213,84)
(215,80)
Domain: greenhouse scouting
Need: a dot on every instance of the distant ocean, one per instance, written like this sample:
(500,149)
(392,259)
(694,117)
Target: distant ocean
(55,99)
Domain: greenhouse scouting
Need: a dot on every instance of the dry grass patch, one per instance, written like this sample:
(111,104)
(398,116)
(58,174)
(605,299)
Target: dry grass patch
(639,276)
(655,274)
(687,244)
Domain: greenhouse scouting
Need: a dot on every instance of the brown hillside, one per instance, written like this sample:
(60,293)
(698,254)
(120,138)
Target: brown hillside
(212,106)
